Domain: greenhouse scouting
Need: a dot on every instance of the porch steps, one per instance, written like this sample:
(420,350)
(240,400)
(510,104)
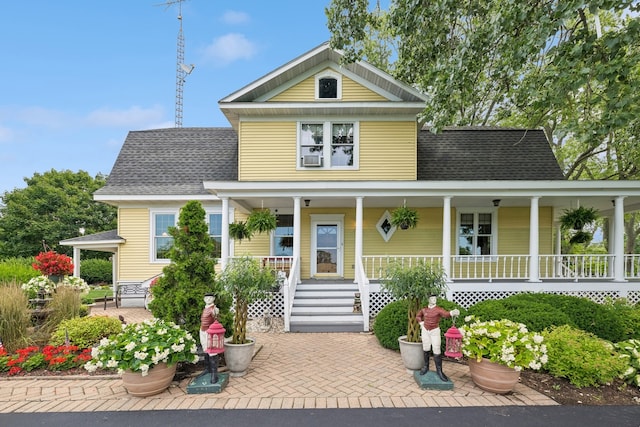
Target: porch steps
(325,306)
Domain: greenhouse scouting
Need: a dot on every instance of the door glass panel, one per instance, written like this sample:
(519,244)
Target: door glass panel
(327,248)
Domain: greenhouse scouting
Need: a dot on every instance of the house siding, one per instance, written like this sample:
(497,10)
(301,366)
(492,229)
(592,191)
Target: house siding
(134,226)
(267,152)
(305,92)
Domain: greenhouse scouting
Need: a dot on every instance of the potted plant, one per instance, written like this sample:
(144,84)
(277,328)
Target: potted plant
(239,231)
(261,221)
(246,281)
(53,265)
(578,218)
(497,350)
(414,283)
(404,217)
(145,354)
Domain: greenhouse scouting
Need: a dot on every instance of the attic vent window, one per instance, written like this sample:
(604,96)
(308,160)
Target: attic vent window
(328,87)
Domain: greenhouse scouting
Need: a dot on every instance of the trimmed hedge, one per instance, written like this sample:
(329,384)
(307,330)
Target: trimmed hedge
(85,332)
(96,271)
(540,311)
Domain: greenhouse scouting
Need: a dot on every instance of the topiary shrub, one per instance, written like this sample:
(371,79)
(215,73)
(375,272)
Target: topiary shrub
(581,357)
(391,322)
(96,270)
(85,332)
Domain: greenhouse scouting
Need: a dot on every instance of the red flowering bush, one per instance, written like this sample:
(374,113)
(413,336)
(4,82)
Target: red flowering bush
(52,358)
(51,263)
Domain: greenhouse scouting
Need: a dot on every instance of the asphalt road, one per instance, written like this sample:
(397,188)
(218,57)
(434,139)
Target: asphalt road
(584,416)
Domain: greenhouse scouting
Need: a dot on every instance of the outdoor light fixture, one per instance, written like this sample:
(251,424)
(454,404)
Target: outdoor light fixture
(453,343)
(307,202)
(215,346)
(496,202)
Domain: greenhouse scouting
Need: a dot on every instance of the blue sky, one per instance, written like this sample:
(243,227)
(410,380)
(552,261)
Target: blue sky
(78,75)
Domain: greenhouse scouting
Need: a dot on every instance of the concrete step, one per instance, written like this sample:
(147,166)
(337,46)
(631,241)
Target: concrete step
(324,294)
(324,302)
(327,287)
(323,309)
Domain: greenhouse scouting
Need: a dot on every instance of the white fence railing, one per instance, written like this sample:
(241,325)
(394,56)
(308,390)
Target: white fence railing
(491,267)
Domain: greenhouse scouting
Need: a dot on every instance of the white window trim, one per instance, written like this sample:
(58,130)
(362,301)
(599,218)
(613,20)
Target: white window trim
(328,74)
(176,213)
(494,232)
(152,235)
(326,145)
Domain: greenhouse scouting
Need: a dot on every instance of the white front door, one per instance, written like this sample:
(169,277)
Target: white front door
(326,245)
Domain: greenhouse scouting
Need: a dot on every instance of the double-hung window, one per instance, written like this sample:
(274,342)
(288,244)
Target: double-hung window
(162,241)
(283,236)
(328,144)
(476,233)
(215,233)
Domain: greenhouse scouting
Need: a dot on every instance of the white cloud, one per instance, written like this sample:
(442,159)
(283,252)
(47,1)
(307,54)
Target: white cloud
(234,17)
(229,48)
(44,117)
(134,117)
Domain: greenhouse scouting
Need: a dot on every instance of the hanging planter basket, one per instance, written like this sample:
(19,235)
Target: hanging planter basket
(578,218)
(239,231)
(262,221)
(404,217)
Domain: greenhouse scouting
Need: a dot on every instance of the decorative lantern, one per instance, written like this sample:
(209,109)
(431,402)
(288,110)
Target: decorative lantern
(215,346)
(453,343)
(215,338)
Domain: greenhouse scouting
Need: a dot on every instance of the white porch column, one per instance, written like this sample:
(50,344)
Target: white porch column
(224,250)
(358,242)
(534,262)
(618,241)
(446,236)
(558,258)
(612,244)
(76,261)
(296,233)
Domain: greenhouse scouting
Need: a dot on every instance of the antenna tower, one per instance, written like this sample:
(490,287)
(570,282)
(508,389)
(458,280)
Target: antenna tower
(182,69)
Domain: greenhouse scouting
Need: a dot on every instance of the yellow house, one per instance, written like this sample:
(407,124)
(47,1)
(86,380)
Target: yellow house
(332,149)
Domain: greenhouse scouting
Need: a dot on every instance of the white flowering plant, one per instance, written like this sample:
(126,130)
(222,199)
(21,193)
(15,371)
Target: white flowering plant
(38,284)
(140,346)
(503,341)
(76,283)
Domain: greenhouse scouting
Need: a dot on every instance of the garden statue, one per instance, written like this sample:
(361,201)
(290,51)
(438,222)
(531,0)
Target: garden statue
(429,319)
(209,315)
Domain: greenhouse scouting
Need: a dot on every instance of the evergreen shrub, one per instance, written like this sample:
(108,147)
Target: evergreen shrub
(96,270)
(581,357)
(85,332)
(536,315)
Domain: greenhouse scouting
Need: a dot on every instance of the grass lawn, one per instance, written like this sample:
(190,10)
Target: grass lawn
(100,292)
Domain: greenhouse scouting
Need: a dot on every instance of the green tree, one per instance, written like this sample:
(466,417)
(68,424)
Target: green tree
(178,295)
(52,207)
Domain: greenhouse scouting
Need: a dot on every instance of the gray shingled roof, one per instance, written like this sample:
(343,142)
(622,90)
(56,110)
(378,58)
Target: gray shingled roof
(176,161)
(486,153)
(173,161)
(96,237)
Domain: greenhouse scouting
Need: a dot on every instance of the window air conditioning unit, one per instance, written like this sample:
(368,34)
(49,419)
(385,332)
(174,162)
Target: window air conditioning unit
(312,160)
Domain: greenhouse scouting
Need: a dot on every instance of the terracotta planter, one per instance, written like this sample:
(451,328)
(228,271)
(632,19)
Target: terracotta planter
(493,377)
(159,378)
(238,357)
(411,353)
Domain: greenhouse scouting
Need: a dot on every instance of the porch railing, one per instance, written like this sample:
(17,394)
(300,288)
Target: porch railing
(500,267)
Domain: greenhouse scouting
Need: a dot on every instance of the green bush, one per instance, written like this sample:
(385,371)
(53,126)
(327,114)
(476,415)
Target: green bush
(96,271)
(540,310)
(18,270)
(15,317)
(629,314)
(85,332)
(535,314)
(581,357)
(391,322)
(630,352)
